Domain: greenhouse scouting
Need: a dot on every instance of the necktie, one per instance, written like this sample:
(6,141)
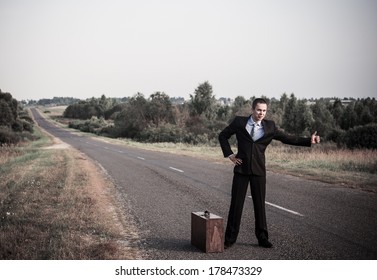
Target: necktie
(252,131)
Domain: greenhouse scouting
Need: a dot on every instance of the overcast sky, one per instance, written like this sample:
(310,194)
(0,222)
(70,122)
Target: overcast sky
(85,48)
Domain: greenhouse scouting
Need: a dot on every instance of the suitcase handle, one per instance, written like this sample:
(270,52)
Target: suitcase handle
(207,214)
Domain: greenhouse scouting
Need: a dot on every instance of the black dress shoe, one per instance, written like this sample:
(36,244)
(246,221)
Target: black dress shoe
(227,245)
(264,243)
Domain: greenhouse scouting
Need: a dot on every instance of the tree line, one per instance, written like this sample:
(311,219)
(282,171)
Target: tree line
(199,120)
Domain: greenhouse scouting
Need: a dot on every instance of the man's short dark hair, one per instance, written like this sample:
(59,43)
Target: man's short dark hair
(258,101)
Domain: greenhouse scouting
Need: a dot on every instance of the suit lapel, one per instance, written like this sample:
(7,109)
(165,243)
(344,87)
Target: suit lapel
(244,123)
(266,127)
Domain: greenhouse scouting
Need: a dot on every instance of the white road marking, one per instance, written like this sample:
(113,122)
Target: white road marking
(103,169)
(141,158)
(179,170)
(285,209)
(282,208)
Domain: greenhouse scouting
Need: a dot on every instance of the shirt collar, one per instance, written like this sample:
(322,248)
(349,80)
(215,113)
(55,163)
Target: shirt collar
(252,122)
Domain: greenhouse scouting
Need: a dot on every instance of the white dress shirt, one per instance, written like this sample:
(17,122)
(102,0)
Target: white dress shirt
(258,129)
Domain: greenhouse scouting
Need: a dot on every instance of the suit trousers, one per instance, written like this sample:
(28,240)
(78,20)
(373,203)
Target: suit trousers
(258,193)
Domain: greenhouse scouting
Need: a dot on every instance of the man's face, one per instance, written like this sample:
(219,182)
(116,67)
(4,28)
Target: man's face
(259,112)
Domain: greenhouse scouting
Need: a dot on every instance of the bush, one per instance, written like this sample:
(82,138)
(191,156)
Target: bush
(336,135)
(362,137)
(94,125)
(108,131)
(8,136)
(165,132)
(27,126)
(74,124)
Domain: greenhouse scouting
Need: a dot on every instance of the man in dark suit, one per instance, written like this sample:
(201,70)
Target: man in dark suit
(253,134)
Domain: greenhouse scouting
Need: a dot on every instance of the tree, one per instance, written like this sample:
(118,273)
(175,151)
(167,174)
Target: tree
(297,117)
(275,111)
(289,116)
(239,102)
(6,116)
(241,106)
(304,118)
(337,111)
(84,110)
(366,117)
(283,101)
(203,102)
(13,128)
(132,119)
(8,109)
(159,108)
(349,117)
(104,104)
(324,122)
(11,102)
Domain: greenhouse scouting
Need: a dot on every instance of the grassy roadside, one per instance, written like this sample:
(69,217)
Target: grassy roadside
(327,163)
(51,208)
(324,162)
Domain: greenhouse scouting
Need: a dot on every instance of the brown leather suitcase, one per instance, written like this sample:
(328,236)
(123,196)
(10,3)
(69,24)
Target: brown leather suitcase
(207,232)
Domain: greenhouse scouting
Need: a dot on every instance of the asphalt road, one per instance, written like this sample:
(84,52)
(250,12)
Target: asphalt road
(306,219)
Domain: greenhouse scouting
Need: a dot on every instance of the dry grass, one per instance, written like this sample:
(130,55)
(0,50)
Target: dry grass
(8,152)
(55,204)
(55,111)
(326,162)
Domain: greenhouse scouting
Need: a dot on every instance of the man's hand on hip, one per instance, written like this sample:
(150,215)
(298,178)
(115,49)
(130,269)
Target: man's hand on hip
(235,160)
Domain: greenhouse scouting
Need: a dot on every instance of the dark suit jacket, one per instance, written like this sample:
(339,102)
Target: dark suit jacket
(252,153)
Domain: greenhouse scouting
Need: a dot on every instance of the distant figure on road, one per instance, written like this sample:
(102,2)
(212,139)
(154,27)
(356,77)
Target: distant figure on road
(253,134)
